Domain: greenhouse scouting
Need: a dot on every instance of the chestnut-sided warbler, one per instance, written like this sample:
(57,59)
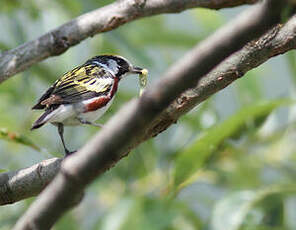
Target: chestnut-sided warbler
(83,95)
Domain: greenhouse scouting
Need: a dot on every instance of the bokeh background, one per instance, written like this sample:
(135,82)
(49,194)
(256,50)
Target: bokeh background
(244,177)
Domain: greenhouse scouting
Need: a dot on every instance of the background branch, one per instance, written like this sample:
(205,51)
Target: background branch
(87,25)
(24,183)
(278,40)
(111,143)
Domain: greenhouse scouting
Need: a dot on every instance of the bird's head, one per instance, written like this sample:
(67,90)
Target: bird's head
(117,65)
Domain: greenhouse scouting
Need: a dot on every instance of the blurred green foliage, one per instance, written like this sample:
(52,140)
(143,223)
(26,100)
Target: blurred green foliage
(241,123)
(233,157)
(17,138)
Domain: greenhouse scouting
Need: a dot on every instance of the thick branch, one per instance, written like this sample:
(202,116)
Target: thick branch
(24,183)
(112,142)
(101,20)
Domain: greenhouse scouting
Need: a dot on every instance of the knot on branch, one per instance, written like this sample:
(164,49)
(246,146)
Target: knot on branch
(60,44)
(182,100)
(139,4)
(113,23)
(267,38)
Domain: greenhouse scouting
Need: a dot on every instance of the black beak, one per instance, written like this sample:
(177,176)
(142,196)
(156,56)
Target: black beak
(137,70)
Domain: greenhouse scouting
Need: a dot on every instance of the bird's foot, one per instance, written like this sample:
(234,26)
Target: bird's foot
(90,123)
(96,125)
(68,153)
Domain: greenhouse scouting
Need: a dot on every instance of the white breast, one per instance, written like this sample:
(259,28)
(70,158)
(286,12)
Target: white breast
(69,115)
(64,114)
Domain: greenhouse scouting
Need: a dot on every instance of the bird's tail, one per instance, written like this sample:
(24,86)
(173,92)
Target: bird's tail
(42,120)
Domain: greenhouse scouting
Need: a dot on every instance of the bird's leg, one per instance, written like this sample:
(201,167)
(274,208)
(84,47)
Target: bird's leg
(61,133)
(89,123)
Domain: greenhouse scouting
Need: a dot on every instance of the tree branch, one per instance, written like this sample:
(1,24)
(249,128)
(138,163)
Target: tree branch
(111,143)
(87,25)
(24,183)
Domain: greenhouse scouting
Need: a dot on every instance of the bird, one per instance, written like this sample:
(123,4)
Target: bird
(83,94)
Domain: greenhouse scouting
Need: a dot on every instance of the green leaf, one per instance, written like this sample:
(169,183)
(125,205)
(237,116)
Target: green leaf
(232,210)
(193,157)
(17,138)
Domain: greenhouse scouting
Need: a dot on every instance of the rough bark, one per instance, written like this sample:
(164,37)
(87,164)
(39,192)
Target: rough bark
(24,183)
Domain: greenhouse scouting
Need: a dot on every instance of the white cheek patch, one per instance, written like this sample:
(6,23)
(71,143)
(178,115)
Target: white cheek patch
(113,66)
